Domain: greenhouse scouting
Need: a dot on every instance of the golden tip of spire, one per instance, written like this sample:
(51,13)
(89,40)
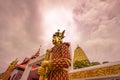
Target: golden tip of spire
(78,46)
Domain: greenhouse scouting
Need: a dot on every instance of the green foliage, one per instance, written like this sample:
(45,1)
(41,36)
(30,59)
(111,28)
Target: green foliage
(81,64)
(84,63)
(94,63)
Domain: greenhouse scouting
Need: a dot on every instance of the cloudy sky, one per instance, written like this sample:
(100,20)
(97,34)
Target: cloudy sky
(27,24)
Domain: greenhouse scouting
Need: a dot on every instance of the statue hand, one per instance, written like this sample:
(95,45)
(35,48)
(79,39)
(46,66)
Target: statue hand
(45,63)
(41,71)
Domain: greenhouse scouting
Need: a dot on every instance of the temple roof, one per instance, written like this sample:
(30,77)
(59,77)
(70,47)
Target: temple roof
(24,66)
(26,60)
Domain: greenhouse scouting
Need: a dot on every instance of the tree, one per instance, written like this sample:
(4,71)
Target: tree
(105,62)
(95,63)
(84,63)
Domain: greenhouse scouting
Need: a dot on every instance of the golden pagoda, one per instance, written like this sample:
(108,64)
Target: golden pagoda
(80,56)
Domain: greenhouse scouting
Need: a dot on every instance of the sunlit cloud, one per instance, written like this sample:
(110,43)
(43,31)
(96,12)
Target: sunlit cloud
(59,18)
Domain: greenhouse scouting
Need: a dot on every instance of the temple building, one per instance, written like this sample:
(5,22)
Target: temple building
(27,70)
(80,58)
(6,75)
(79,55)
(86,70)
(20,68)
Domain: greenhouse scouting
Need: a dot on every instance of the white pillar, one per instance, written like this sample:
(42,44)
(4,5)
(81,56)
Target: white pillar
(26,73)
(29,65)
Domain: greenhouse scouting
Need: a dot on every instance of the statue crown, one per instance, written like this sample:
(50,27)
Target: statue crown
(59,34)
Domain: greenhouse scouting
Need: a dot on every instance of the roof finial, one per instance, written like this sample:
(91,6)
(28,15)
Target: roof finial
(38,52)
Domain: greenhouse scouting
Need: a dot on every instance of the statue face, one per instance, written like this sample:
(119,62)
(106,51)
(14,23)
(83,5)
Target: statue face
(56,40)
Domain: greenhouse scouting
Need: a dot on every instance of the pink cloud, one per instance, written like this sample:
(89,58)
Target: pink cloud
(94,24)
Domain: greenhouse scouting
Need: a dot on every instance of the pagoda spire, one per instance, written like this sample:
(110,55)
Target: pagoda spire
(79,55)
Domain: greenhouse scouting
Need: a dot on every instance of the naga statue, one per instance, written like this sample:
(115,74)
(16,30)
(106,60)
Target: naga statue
(57,60)
(9,70)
